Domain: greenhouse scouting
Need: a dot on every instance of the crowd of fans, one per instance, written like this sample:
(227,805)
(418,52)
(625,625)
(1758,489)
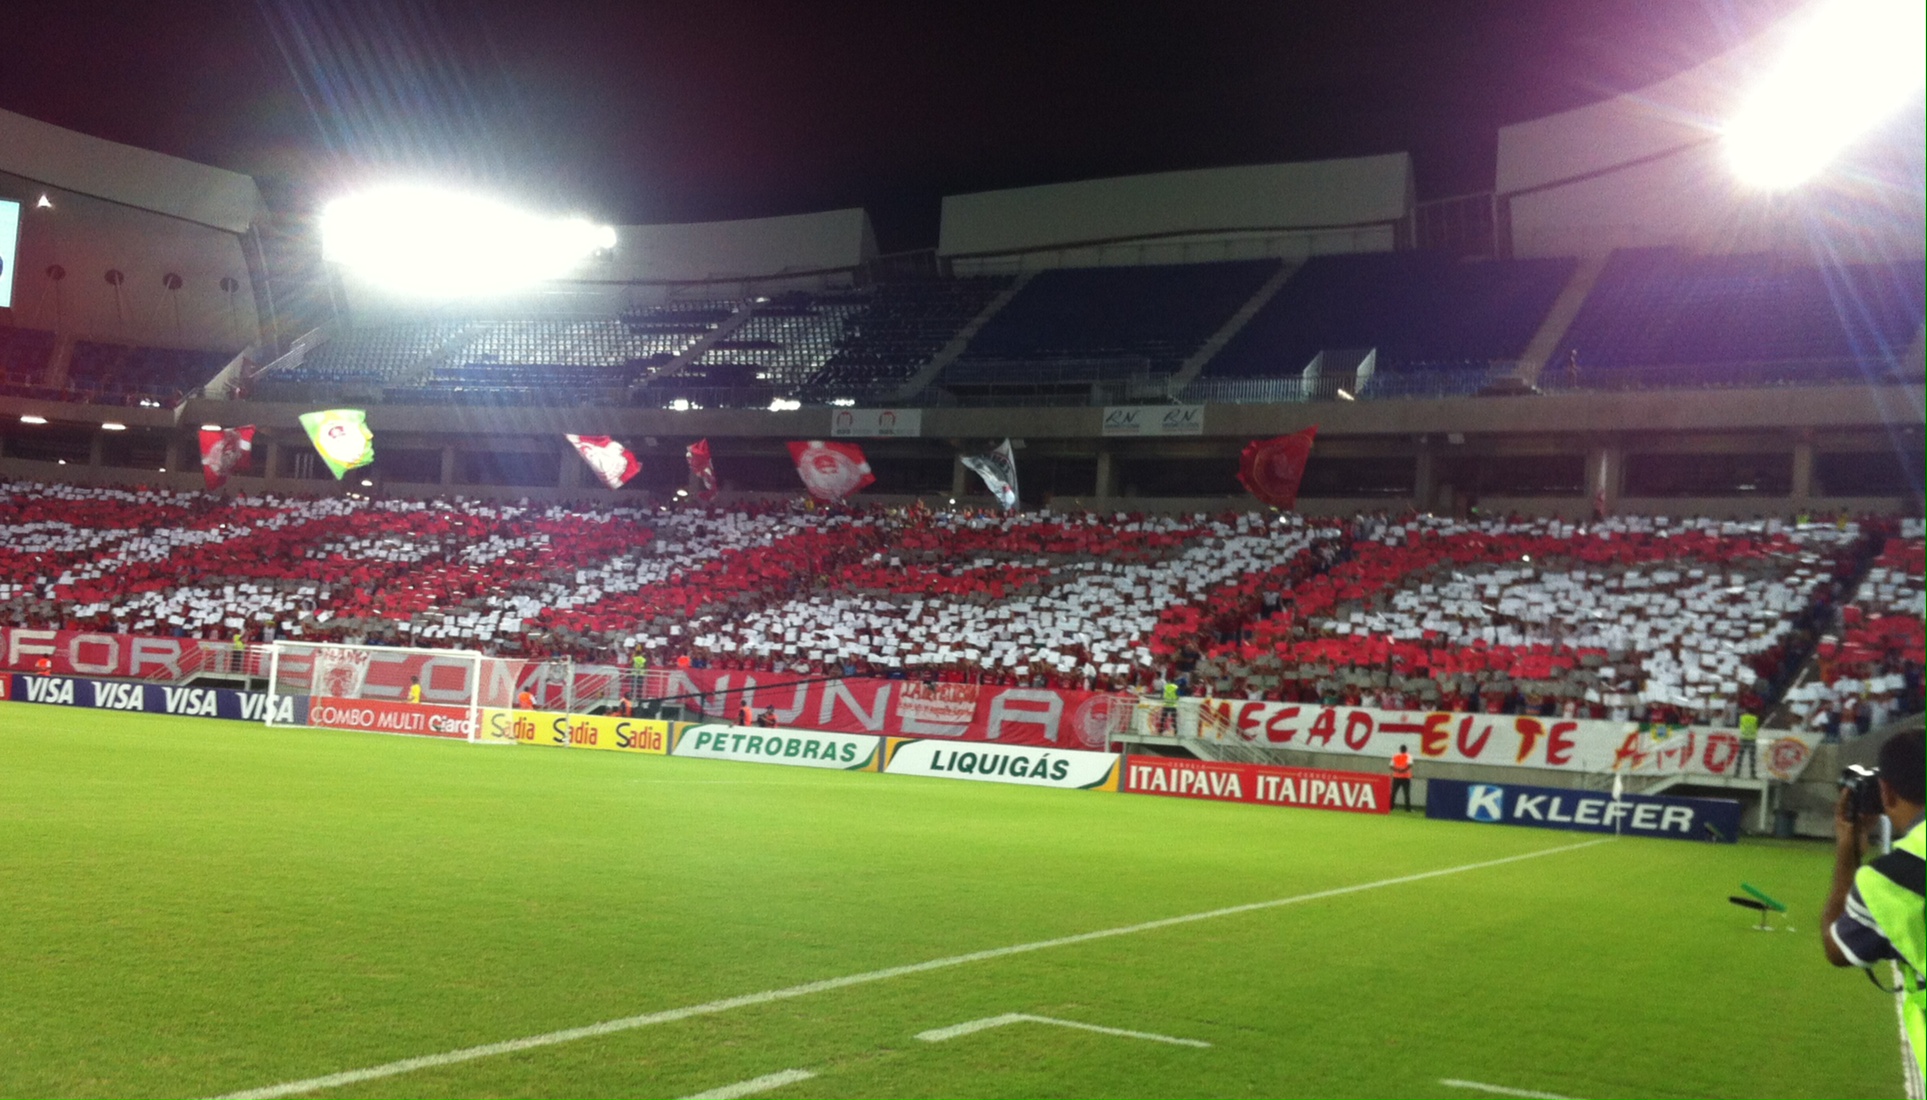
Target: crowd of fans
(1629,617)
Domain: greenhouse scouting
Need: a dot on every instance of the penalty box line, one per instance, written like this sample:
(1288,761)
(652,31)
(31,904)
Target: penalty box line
(748,1000)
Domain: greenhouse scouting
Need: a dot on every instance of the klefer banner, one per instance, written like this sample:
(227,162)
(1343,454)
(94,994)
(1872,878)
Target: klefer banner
(800,748)
(370,716)
(1307,788)
(1584,811)
(1033,767)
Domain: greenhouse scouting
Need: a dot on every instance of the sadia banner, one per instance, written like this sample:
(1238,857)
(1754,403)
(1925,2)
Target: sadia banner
(1032,767)
(799,748)
(902,708)
(1507,740)
(1584,811)
(1306,788)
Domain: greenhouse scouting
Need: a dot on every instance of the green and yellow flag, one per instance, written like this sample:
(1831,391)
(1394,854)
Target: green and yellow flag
(342,437)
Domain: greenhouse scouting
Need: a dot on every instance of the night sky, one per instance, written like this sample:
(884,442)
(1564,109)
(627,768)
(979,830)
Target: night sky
(659,112)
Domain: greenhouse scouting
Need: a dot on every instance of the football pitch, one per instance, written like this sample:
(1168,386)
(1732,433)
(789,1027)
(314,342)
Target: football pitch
(195,907)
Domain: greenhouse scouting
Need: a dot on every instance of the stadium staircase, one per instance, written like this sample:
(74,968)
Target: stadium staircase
(1189,370)
(736,320)
(1546,343)
(951,351)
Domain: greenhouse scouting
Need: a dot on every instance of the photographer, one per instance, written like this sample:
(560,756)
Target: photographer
(1876,912)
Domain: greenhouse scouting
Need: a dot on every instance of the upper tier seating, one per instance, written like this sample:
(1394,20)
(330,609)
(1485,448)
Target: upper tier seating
(788,338)
(24,355)
(117,374)
(905,325)
(1741,319)
(1150,318)
(1418,309)
(1635,614)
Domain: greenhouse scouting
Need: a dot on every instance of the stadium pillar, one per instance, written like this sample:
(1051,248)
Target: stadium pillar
(1106,487)
(97,450)
(1423,488)
(1802,473)
(448,465)
(1605,472)
(959,477)
(271,466)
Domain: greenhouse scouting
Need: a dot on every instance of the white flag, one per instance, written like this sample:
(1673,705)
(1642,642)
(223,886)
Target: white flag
(1619,786)
(999,471)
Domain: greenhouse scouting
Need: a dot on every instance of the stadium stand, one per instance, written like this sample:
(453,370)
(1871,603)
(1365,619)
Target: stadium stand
(117,374)
(24,355)
(1679,620)
(1086,324)
(1439,324)
(1658,316)
(905,326)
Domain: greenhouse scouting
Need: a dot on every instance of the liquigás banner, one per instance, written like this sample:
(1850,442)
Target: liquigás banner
(1712,819)
(1504,740)
(1308,788)
(800,748)
(1042,717)
(1034,767)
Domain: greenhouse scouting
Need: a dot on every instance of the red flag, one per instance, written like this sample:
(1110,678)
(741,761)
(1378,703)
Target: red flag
(225,452)
(702,470)
(1270,469)
(613,463)
(831,471)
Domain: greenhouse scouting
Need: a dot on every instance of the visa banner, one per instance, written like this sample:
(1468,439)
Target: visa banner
(188,702)
(798,748)
(987,763)
(1223,781)
(1714,819)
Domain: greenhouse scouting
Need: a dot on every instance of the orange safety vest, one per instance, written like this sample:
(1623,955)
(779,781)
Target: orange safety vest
(1402,766)
(525,701)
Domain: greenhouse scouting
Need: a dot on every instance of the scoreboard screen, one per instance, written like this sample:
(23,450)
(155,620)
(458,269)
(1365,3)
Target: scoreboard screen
(9,248)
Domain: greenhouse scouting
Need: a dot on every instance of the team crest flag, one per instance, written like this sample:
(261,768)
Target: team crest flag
(613,463)
(225,452)
(702,470)
(999,471)
(1271,469)
(831,471)
(342,437)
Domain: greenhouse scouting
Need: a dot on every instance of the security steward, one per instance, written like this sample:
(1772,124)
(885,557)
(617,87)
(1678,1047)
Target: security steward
(1749,746)
(1402,777)
(1168,714)
(1875,911)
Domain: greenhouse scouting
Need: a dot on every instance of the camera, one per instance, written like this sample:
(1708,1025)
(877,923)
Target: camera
(1864,782)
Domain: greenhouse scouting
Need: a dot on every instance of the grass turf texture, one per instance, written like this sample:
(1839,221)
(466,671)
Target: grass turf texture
(193,907)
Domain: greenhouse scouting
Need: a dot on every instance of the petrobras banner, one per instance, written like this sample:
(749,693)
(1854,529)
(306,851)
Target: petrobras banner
(1505,740)
(574,731)
(1584,811)
(1042,717)
(374,716)
(1032,767)
(1306,788)
(1143,420)
(189,702)
(800,748)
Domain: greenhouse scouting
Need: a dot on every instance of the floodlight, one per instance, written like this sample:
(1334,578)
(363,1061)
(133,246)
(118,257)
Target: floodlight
(112,426)
(210,427)
(423,241)
(784,404)
(1842,70)
(32,419)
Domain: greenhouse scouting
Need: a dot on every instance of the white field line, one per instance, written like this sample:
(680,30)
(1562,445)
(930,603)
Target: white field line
(971,1027)
(1909,1066)
(1501,1090)
(748,1000)
(754,1085)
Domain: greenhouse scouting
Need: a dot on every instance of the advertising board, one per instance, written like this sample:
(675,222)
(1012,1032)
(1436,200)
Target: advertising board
(798,748)
(191,702)
(1584,811)
(372,716)
(1149,420)
(1264,784)
(1027,765)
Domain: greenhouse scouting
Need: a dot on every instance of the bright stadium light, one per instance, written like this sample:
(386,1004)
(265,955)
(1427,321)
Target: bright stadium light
(30,418)
(112,426)
(432,243)
(1843,69)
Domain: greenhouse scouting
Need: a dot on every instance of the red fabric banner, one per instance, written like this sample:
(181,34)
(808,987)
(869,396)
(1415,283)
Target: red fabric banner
(702,470)
(415,719)
(1271,469)
(1306,788)
(902,708)
(831,471)
(613,463)
(225,452)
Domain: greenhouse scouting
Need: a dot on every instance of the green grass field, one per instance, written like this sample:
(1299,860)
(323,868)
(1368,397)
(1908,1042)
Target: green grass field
(194,907)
